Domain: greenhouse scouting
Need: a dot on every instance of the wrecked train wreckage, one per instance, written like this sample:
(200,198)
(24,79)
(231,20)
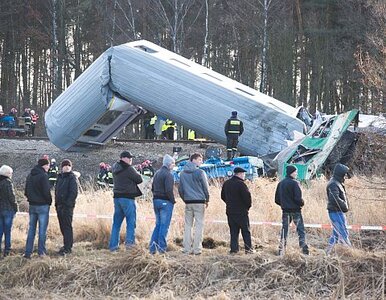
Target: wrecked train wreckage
(136,77)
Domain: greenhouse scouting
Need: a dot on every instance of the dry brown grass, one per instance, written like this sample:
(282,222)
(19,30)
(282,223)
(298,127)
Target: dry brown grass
(92,272)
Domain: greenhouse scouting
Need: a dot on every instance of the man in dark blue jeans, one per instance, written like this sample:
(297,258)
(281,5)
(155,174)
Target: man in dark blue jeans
(289,197)
(126,180)
(8,207)
(163,202)
(37,191)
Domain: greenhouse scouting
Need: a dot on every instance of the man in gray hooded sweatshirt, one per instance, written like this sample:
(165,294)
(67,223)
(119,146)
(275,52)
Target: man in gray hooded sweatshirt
(194,191)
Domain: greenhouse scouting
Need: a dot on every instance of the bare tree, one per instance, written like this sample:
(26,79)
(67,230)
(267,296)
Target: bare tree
(264,72)
(206,45)
(173,14)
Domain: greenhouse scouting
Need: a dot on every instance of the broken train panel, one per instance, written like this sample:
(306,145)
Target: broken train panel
(310,153)
(151,77)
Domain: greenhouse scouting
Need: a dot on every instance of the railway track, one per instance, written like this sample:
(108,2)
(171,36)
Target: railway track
(143,141)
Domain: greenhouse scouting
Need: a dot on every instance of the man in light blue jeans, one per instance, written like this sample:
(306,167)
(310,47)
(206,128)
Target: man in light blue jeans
(337,207)
(163,203)
(123,208)
(37,213)
(38,193)
(163,210)
(339,230)
(126,180)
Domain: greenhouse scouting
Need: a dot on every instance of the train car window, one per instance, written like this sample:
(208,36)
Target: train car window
(92,132)
(180,62)
(146,49)
(241,90)
(109,117)
(212,76)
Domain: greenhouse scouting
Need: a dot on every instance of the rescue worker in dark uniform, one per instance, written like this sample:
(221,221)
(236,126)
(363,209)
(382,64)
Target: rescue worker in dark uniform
(170,127)
(53,172)
(151,127)
(109,176)
(233,129)
(102,175)
(27,120)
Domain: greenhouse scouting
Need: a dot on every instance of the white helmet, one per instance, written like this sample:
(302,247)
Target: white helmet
(53,160)
(32,112)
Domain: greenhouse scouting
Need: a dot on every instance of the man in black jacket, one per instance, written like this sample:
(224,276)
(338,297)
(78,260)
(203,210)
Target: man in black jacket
(126,180)
(163,202)
(289,197)
(66,191)
(37,191)
(337,207)
(237,197)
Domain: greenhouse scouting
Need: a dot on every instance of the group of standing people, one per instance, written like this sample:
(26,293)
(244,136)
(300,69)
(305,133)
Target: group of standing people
(38,193)
(289,197)
(30,118)
(193,190)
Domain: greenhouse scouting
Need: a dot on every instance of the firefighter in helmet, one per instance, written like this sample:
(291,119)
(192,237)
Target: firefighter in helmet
(53,172)
(109,176)
(102,175)
(34,120)
(233,129)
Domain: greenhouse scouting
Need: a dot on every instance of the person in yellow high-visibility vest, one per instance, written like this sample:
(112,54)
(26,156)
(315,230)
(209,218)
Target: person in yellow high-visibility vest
(191,135)
(152,128)
(170,128)
(164,130)
(233,129)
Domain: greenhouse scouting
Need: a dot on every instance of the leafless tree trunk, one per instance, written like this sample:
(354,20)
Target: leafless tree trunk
(54,49)
(206,45)
(263,83)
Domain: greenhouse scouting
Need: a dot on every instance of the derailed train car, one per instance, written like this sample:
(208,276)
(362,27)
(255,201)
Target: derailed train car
(129,79)
(138,76)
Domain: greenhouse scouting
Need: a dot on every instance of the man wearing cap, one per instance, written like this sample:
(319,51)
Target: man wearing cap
(37,191)
(66,191)
(233,129)
(337,207)
(126,180)
(194,191)
(289,197)
(236,195)
(163,202)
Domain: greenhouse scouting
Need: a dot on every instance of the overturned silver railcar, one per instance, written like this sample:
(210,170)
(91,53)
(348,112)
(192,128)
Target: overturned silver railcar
(138,76)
